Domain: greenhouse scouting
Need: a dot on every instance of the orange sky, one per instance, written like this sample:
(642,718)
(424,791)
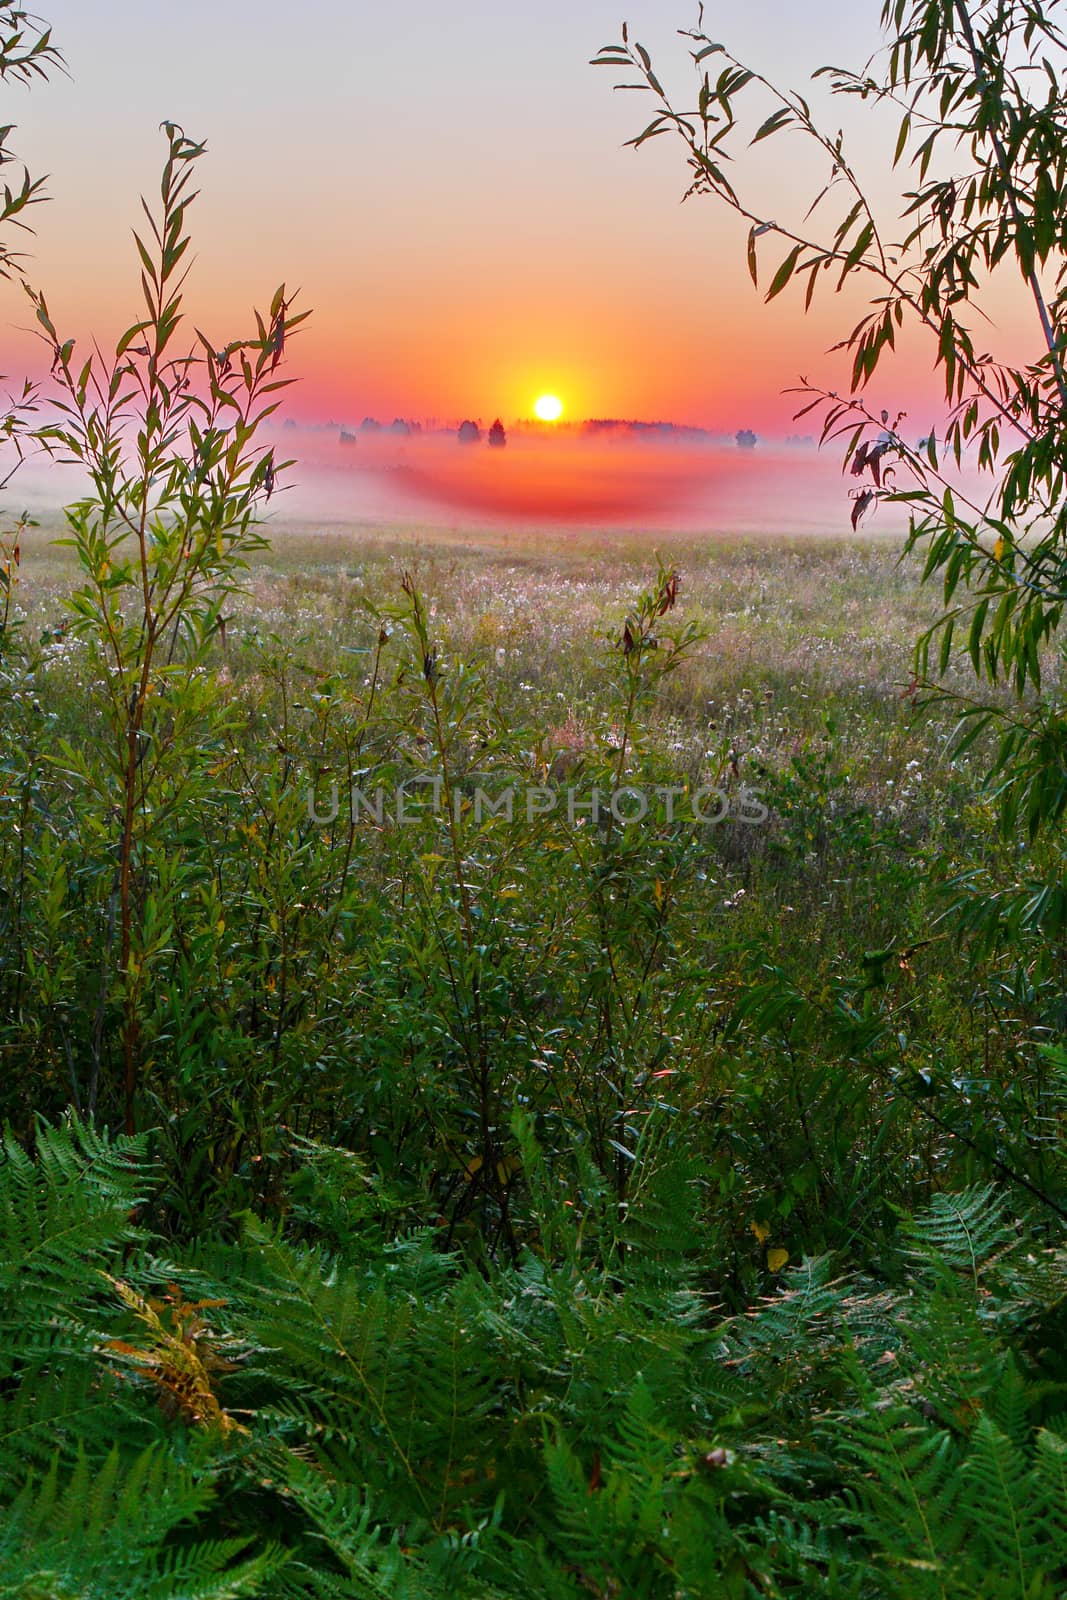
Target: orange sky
(447,184)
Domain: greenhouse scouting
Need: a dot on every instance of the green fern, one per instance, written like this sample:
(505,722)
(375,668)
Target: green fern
(409,1428)
(962,1232)
(64,1213)
(944,1520)
(106,1533)
(64,1216)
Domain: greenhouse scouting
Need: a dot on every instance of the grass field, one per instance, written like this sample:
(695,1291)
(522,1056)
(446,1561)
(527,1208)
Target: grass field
(797,630)
(803,679)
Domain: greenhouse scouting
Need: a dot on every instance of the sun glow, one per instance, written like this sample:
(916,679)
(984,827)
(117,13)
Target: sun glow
(549,408)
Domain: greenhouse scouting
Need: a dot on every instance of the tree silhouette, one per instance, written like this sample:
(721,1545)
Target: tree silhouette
(469,433)
(497,437)
(746,439)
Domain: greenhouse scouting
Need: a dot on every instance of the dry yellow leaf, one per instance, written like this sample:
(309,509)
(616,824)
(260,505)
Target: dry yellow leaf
(761,1230)
(776,1260)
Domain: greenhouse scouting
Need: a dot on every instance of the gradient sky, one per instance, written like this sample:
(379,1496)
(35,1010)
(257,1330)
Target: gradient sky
(447,185)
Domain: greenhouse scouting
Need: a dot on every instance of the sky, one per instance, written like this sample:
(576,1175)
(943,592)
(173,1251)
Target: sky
(447,186)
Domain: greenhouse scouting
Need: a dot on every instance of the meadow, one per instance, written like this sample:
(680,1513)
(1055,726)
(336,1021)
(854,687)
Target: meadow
(655,1208)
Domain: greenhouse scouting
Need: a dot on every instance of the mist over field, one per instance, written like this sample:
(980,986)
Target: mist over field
(571,479)
(567,480)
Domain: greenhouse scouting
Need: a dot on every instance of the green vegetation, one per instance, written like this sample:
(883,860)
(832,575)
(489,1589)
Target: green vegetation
(489,1199)
(410,1190)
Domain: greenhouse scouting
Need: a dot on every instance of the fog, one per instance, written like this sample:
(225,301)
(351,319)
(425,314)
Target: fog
(569,479)
(572,480)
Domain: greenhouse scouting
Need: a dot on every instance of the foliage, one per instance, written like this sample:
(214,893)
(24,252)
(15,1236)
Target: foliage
(411,1425)
(26,54)
(161,537)
(980,93)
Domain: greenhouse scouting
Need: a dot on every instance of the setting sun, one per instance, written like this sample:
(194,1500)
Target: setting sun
(549,408)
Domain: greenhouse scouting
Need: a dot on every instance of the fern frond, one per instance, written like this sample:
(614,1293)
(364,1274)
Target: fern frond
(998,1488)
(366,1563)
(53,1408)
(102,1534)
(907,1474)
(63,1213)
(1051,1468)
(179,1357)
(824,1557)
(817,1313)
(962,1231)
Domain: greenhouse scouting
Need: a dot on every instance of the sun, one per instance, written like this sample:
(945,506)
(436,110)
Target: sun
(549,408)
